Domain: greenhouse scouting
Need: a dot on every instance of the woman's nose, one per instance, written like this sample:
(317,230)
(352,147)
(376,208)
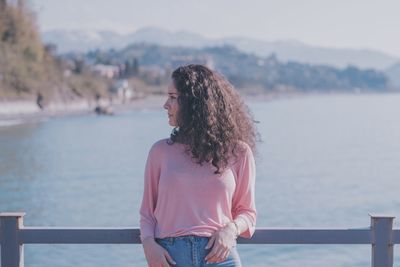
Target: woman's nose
(166,104)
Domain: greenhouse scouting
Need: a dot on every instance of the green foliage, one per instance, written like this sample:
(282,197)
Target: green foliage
(21,52)
(27,68)
(86,86)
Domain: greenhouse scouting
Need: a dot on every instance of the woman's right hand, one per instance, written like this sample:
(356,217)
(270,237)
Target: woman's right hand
(156,255)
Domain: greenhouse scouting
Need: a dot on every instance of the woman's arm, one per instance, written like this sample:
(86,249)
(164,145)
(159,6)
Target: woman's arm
(243,202)
(243,211)
(155,254)
(149,200)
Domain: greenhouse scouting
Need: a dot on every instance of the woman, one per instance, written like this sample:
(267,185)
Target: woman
(199,183)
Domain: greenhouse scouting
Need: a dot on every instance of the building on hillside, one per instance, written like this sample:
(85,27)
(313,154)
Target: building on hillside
(107,71)
(122,91)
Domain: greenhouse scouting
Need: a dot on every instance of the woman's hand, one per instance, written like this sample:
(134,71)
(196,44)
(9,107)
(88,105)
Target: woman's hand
(221,241)
(156,255)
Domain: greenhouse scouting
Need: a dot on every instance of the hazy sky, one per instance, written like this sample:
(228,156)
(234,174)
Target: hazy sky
(373,24)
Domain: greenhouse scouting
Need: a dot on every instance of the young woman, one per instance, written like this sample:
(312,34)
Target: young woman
(199,183)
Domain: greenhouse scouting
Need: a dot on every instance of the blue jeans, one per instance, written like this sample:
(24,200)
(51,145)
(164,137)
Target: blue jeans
(190,251)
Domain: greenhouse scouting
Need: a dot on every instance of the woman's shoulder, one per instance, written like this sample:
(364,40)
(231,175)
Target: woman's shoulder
(161,142)
(244,149)
(244,153)
(162,149)
(244,157)
(162,145)
(157,150)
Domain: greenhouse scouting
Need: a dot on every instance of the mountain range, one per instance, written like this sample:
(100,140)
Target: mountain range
(285,50)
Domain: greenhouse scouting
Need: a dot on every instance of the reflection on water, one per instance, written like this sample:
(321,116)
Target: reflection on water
(326,161)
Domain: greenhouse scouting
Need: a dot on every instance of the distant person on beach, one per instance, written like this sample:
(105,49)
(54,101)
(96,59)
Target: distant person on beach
(40,100)
(199,183)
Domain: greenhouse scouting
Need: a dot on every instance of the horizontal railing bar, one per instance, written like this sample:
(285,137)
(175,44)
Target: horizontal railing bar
(309,236)
(34,235)
(120,235)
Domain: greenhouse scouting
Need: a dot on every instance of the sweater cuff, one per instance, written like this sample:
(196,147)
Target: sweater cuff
(246,225)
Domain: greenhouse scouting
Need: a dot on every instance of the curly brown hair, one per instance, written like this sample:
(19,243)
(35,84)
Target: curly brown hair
(212,117)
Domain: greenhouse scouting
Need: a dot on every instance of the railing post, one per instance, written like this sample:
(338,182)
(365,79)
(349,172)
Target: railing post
(382,240)
(12,253)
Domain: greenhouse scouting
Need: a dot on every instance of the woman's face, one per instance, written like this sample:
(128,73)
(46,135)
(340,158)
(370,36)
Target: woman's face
(171,105)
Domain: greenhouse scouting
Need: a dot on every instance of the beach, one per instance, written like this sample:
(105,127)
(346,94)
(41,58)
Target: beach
(24,111)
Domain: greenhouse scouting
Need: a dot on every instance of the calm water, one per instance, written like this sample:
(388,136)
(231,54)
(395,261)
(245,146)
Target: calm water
(326,161)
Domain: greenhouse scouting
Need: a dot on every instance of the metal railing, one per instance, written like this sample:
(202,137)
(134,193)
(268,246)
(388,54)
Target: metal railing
(13,235)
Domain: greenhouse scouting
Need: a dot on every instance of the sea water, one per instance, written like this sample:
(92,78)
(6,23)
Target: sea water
(326,161)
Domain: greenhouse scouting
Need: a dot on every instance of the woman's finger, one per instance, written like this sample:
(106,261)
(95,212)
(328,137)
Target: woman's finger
(164,262)
(214,255)
(169,258)
(210,242)
(219,255)
(226,254)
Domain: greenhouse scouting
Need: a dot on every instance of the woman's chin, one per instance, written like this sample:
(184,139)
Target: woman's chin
(171,123)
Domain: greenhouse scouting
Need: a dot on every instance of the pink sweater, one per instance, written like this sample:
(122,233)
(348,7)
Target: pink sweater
(182,197)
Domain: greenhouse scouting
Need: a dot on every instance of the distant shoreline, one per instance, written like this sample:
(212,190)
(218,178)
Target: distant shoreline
(22,112)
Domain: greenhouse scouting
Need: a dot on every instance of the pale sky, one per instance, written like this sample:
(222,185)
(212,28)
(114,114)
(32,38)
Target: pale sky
(370,24)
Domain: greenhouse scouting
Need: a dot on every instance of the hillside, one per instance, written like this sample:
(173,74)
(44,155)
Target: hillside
(31,70)
(285,50)
(246,71)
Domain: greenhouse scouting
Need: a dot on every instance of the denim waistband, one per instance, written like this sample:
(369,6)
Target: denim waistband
(183,237)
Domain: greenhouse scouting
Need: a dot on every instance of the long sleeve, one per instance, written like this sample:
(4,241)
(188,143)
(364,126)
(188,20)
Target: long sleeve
(243,202)
(150,192)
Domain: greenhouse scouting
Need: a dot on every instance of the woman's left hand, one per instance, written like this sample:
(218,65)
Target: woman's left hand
(221,242)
